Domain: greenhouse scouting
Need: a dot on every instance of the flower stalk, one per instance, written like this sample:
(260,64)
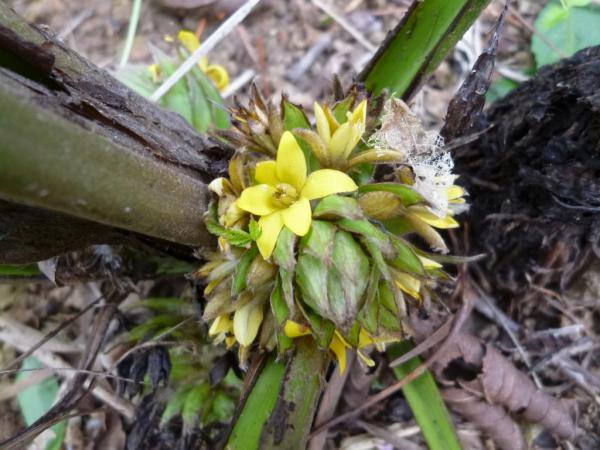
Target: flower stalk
(279,409)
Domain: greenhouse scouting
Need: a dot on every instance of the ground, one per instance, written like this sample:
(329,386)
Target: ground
(295,47)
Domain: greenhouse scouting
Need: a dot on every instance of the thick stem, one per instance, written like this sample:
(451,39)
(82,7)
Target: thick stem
(74,140)
(278,413)
(414,49)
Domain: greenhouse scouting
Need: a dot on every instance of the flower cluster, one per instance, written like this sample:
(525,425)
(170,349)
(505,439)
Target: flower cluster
(313,237)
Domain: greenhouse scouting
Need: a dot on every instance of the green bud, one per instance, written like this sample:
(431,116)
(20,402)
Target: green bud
(332,273)
(336,207)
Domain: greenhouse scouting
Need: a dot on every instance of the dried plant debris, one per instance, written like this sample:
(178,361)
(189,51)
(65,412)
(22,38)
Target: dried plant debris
(423,149)
(493,420)
(483,385)
(533,174)
(465,107)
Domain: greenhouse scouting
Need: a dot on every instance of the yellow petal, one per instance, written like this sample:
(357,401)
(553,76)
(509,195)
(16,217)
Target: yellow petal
(433,220)
(189,40)
(266,173)
(294,329)
(325,182)
(333,123)
(246,322)
(340,141)
(212,285)
(359,115)
(455,192)
(408,284)
(258,200)
(429,263)
(219,75)
(322,124)
(221,324)
(365,339)
(298,217)
(154,70)
(230,341)
(270,227)
(337,346)
(291,165)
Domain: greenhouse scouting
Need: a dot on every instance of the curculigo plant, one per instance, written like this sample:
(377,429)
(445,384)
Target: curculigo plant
(197,97)
(312,256)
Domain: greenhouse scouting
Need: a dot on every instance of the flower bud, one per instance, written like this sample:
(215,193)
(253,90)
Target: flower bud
(380,205)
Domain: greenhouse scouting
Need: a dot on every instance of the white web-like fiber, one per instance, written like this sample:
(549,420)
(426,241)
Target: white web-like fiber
(432,165)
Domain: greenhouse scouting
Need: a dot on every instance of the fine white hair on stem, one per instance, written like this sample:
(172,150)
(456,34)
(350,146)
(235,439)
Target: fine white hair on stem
(218,35)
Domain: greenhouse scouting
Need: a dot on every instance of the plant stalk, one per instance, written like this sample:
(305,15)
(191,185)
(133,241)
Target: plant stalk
(278,412)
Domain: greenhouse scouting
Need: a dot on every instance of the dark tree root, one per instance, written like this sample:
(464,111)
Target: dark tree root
(533,178)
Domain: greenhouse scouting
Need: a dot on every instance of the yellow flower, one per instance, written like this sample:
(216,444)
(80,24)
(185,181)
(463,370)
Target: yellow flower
(215,72)
(246,322)
(242,329)
(455,194)
(341,139)
(408,284)
(337,345)
(284,193)
(221,328)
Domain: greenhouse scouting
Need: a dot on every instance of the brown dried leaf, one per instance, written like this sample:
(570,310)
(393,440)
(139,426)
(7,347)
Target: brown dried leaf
(491,419)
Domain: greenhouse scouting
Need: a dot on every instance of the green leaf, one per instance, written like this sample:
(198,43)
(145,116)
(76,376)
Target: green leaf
(574,31)
(282,314)
(241,272)
(407,195)
(370,232)
(34,401)
(258,407)
(381,311)
(136,78)
(177,98)
(222,408)
(237,238)
(555,14)
(295,117)
(195,404)
(499,88)
(254,229)
(418,44)
(171,305)
(336,206)
(11,270)
(322,328)
(406,259)
(426,403)
(340,109)
(174,405)
(201,114)
(397,226)
(284,257)
(220,114)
